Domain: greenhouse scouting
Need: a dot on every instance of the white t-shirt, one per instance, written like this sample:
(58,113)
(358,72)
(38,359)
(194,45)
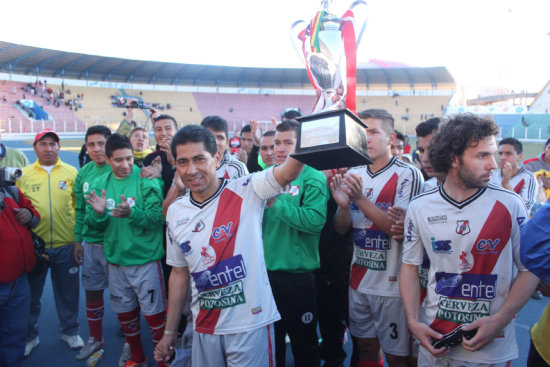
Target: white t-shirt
(230,168)
(220,241)
(376,257)
(524,184)
(472,247)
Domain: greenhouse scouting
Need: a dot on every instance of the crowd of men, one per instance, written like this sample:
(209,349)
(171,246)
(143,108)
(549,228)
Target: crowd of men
(422,263)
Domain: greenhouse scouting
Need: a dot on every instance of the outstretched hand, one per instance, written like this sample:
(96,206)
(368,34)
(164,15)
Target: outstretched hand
(98,203)
(256,132)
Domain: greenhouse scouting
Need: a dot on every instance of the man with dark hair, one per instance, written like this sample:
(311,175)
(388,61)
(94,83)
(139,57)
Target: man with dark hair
(511,175)
(292,225)
(364,194)
(214,239)
(164,128)
(397,144)
(246,144)
(49,184)
(88,245)
(127,210)
(424,134)
(290,114)
(229,168)
(265,145)
(470,232)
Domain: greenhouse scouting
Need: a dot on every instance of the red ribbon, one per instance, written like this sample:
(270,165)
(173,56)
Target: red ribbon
(350,49)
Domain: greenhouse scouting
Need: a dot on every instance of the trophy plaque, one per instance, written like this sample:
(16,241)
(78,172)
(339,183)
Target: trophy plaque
(333,136)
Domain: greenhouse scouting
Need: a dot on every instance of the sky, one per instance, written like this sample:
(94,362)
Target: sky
(486,44)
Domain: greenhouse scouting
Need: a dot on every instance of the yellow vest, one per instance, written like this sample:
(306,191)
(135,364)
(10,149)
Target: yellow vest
(540,334)
(52,195)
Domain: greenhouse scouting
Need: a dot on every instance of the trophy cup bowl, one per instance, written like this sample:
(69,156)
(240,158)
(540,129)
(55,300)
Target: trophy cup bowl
(333,136)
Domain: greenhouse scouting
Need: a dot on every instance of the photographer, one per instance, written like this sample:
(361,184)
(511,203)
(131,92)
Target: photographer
(17,217)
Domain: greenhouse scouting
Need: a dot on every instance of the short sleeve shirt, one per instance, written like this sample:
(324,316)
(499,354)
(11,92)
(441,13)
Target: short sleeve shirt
(220,241)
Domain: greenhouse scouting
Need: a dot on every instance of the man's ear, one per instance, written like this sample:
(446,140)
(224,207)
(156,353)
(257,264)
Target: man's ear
(392,137)
(455,161)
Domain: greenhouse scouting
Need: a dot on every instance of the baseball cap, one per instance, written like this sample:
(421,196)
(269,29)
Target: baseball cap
(43,133)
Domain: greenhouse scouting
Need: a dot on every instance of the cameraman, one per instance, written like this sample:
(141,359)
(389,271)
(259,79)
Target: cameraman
(17,217)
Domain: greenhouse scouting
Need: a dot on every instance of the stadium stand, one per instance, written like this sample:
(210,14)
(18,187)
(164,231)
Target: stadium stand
(194,91)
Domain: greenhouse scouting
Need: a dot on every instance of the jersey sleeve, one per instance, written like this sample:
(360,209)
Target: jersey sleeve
(265,185)
(310,216)
(408,186)
(519,216)
(151,213)
(529,191)
(174,255)
(413,248)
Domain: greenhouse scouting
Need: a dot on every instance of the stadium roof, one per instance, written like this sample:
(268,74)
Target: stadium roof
(27,60)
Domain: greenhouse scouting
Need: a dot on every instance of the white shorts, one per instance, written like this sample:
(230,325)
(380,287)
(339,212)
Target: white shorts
(140,284)
(254,348)
(95,270)
(426,359)
(379,317)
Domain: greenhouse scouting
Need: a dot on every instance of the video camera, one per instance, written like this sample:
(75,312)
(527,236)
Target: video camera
(8,175)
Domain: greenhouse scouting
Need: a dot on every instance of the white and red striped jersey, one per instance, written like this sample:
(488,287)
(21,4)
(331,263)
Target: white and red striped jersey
(220,241)
(524,184)
(472,247)
(376,256)
(231,168)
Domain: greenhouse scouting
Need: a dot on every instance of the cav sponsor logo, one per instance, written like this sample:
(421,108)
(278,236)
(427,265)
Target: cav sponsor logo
(463,227)
(186,248)
(85,187)
(63,185)
(410,228)
(131,202)
(294,190)
(402,187)
(486,247)
(466,261)
(222,232)
(371,239)
(198,227)
(437,219)
(442,246)
(466,285)
(384,206)
(221,286)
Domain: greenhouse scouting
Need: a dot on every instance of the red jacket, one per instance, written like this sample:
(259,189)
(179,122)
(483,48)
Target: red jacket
(16,249)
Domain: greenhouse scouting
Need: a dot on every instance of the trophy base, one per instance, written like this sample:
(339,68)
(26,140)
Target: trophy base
(332,139)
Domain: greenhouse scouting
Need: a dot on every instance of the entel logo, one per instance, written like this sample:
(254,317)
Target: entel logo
(487,245)
(222,231)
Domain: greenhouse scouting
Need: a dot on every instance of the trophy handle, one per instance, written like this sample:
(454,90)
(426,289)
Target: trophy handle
(360,15)
(295,30)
